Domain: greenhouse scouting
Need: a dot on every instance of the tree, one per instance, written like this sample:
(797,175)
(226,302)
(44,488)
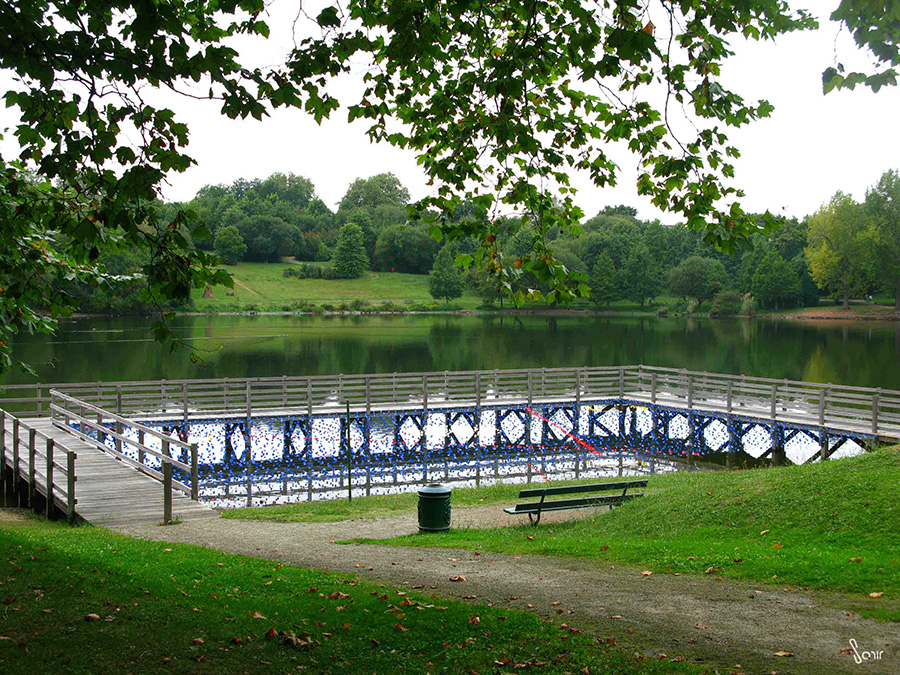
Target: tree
(883,207)
(385,189)
(350,260)
(230,245)
(446,280)
(697,277)
(499,101)
(775,282)
(603,281)
(639,277)
(405,248)
(837,247)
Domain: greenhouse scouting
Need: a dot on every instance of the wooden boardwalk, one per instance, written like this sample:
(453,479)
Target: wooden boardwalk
(108,492)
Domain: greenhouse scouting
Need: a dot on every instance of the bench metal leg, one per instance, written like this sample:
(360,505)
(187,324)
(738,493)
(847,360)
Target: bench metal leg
(534,518)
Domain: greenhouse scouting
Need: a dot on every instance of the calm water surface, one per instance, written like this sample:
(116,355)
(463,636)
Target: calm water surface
(109,349)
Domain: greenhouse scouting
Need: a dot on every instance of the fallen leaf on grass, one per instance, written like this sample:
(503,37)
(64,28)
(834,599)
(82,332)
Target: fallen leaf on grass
(256,615)
(764,533)
(701,626)
(876,595)
(555,603)
(401,627)
(783,653)
(272,633)
(474,620)
(337,595)
(198,641)
(856,560)
(710,570)
(92,617)
(297,640)
(777,546)
(529,537)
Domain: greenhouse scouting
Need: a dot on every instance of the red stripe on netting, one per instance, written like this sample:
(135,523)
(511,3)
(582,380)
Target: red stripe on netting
(568,434)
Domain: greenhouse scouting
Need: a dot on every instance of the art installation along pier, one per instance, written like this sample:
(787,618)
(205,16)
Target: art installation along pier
(114,453)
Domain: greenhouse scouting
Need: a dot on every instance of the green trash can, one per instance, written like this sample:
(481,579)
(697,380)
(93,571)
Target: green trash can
(434,508)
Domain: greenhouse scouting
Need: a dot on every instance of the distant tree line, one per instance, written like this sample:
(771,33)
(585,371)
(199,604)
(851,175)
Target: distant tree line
(845,250)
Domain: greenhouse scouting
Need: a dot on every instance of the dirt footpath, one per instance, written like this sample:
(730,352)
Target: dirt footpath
(721,623)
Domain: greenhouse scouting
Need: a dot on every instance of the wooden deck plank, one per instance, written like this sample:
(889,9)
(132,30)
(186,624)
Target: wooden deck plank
(111,493)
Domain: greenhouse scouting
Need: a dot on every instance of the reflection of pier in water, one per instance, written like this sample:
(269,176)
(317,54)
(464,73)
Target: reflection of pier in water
(280,439)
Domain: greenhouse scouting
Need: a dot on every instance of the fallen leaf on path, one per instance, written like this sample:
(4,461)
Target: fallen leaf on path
(457,578)
(646,573)
(783,653)
(701,626)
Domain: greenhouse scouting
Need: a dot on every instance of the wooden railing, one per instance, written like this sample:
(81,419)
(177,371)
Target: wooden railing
(874,411)
(46,466)
(109,432)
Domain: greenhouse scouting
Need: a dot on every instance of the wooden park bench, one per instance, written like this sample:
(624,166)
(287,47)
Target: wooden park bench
(534,509)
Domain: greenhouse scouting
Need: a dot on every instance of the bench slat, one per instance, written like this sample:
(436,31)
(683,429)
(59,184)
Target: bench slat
(576,489)
(580,503)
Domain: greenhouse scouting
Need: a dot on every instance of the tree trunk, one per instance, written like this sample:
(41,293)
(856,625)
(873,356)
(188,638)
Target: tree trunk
(845,285)
(897,296)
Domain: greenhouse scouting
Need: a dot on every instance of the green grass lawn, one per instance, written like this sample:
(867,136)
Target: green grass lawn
(263,286)
(831,526)
(801,525)
(84,600)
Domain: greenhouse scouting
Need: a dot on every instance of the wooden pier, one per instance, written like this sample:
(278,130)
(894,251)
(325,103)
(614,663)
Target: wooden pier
(96,451)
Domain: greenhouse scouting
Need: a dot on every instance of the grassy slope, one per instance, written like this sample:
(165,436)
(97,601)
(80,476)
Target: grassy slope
(263,287)
(270,290)
(816,519)
(166,607)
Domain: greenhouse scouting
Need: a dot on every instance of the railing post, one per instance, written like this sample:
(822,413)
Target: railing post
(368,394)
(822,407)
(621,381)
(284,391)
(32,450)
(167,491)
(773,402)
(119,430)
(309,397)
(477,390)
(70,486)
(195,474)
(118,399)
(530,389)
(2,444)
(653,384)
(875,401)
(543,382)
(393,387)
(141,454)
(15,450)
(184,401)
(690,392)
(425,393)
(48,472)
(729,404)
(249,401)
(577,387)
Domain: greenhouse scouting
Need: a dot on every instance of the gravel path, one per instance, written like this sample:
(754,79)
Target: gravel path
(719,622)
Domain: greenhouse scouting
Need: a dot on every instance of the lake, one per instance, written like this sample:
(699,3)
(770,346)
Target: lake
(109,349)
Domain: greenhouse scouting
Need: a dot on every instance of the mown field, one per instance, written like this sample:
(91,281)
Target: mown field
(831,526)
(84,600)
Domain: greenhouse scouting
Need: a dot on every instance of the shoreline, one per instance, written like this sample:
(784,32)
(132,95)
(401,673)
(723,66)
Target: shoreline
(812,315)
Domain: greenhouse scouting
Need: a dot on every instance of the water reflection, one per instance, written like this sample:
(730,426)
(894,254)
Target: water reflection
(110,349)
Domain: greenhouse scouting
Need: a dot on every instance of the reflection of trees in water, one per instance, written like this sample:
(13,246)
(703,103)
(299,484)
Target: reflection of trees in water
(123,349)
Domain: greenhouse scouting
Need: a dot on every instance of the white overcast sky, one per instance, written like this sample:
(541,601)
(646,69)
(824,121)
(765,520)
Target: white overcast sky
(812,146)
